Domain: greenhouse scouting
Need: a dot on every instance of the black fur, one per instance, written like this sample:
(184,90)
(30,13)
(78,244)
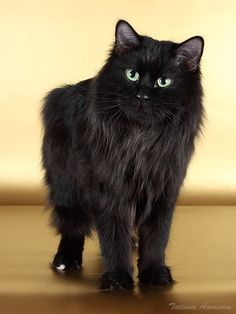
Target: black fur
(115,154)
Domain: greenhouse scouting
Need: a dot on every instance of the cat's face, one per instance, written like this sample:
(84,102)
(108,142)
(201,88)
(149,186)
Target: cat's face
(145,78)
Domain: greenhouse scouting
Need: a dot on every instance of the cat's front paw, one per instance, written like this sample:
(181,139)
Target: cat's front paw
(116,280)
(157,275)
(63,263)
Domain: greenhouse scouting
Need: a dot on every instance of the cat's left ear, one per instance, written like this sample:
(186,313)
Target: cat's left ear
(190,52)
(125,37)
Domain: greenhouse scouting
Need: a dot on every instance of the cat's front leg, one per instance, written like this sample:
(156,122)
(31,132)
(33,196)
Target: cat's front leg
(153,238)
(116,243)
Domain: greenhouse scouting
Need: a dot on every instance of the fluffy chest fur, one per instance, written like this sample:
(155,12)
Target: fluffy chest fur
(132,168)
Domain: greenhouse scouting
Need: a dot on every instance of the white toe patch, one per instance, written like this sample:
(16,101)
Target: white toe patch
(61,267)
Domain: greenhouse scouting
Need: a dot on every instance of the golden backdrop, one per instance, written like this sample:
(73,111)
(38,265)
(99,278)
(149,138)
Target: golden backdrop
(44,44)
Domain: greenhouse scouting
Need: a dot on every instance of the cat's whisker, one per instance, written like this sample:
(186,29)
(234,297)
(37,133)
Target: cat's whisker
(108,101)
(170,120)
(121,112)
(174,116)
(174,106)
(105,93)
(114,115)
(106,108)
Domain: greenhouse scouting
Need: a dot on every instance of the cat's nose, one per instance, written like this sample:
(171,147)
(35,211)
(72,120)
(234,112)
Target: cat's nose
(143,94)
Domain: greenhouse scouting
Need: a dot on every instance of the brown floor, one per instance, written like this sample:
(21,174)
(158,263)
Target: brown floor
(201,251)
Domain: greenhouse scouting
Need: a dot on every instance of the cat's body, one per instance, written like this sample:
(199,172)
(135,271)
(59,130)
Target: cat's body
(116,163)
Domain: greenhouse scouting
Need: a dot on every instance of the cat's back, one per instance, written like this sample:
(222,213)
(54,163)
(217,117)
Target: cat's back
(60,109)
(62,104)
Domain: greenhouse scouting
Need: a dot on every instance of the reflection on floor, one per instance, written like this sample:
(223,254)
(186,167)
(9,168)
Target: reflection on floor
(201,252)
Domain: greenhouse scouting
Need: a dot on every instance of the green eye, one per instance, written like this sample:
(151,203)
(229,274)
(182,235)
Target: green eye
(163,82)
(132,75)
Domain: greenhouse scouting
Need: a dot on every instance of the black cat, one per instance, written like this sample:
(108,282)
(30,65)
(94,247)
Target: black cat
(115,151)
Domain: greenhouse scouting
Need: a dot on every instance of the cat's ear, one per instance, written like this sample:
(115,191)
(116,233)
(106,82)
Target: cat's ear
(125,37)
(190,52)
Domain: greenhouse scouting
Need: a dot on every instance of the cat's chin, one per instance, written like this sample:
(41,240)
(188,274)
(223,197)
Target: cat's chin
(143,118)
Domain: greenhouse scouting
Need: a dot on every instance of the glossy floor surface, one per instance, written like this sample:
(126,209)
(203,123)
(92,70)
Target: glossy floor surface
(201,252)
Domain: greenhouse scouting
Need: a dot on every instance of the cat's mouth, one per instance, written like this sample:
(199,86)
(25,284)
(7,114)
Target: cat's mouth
(121,108)
(139,108)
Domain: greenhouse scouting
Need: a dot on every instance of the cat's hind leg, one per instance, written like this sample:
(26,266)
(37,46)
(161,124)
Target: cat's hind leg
(69,254)
(70,250)
(71,221)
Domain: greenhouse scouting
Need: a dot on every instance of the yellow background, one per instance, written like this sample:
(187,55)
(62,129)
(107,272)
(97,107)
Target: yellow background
(44,44)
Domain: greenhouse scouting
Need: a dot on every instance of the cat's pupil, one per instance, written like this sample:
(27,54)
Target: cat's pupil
(132,73)
(163,80)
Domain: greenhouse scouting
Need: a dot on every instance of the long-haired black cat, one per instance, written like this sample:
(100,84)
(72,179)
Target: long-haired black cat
(115,151)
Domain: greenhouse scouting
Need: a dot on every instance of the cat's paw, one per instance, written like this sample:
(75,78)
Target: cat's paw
(157,275)
(64,263)
(116,281)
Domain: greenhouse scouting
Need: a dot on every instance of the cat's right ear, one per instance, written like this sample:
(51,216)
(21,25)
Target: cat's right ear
(126,37)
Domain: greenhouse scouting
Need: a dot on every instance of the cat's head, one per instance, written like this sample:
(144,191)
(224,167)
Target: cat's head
(146,78)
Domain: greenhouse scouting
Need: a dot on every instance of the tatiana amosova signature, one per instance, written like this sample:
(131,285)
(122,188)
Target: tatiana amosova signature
(204,306)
